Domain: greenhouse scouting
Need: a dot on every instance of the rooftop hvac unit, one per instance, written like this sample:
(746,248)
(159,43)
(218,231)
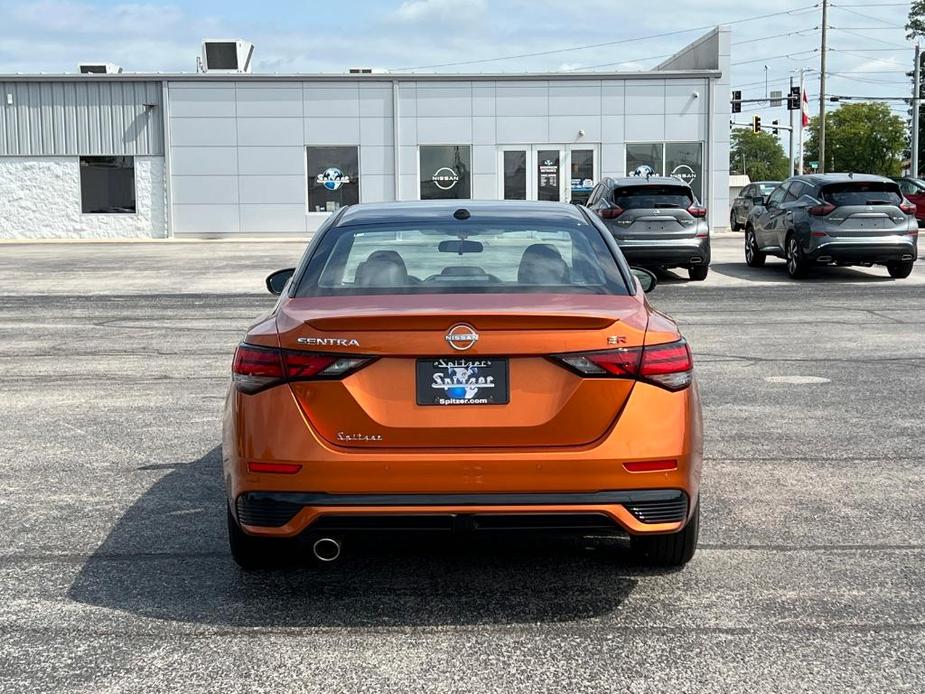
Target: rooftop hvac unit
(99,69)
(226,55)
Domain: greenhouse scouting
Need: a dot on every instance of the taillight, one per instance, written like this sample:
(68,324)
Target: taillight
(821,210)
(611,212)
(256,368)
(669,366)
(618,362)
(907,207)
(696,210)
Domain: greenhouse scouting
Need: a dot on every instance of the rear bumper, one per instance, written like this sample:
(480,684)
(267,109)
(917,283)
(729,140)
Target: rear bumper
(289,514)
(672,253)
(269,426)
(870,250)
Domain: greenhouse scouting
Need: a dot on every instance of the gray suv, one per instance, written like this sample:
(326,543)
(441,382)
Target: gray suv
(840,219)
(657,222)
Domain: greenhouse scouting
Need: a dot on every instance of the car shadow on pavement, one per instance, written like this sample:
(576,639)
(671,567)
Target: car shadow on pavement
(776,271)
(167,558)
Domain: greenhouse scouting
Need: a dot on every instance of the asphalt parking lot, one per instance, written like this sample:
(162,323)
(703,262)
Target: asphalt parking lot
(114,574)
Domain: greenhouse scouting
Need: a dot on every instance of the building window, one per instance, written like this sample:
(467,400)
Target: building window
(333,178)
(582,175)
(107,185)
(645,158)
(445,172)
(681,159)
(685,160)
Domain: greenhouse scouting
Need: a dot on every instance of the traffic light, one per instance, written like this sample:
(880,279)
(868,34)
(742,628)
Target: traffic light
(793,99)
(774,124)
(756,124)
(737,101)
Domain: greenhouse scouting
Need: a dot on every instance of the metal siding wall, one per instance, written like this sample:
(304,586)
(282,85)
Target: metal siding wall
(105,117)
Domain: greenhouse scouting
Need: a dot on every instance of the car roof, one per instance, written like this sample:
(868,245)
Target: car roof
(647,181)
(443,210)
(822,179)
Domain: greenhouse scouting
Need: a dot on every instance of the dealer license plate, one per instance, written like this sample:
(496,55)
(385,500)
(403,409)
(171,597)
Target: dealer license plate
(453,381)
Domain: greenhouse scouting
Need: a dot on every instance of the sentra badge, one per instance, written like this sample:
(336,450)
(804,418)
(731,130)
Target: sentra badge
(328,342)
(462,336)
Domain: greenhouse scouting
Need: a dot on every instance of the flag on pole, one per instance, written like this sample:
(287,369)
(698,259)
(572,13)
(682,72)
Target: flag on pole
(804,108)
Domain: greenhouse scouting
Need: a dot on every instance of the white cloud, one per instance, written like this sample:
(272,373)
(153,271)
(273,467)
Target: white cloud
(421,11)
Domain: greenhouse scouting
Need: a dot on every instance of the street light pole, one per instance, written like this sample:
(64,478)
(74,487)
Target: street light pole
(917,85)
(792,151)
(802,96)
(825,23)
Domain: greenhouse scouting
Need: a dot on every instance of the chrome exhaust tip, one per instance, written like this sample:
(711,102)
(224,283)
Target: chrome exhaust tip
(907,256)
(326,549)
(824,259)
(695,261)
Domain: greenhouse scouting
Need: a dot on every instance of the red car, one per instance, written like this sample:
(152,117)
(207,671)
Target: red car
(914,191)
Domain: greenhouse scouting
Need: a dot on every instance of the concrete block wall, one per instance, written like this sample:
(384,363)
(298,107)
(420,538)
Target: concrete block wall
(40,199)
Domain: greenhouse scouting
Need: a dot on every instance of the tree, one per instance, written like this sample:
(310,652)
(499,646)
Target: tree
(759,155)
(864,137)
(915,27)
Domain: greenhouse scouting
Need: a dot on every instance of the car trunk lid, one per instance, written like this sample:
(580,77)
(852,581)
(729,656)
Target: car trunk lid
(654,212)
(380,406)
(863,209)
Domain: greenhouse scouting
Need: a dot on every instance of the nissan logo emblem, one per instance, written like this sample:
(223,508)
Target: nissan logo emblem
(461,336)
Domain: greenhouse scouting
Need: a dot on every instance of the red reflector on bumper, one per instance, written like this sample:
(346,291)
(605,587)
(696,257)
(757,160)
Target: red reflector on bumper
(651,465)
(280,468)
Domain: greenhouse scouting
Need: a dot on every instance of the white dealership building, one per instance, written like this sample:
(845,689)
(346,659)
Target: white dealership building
(228,152)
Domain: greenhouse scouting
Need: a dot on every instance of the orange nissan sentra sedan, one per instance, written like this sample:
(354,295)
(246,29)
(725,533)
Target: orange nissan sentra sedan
(461,365)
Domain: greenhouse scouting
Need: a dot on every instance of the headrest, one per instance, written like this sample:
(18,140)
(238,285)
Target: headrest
(541,263)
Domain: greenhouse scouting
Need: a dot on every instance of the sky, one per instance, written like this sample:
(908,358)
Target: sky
(869,52)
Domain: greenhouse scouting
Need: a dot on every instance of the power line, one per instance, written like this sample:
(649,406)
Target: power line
(792,56)
(872,50)
(868,38)
(791,12)
(668,55)
(861,14)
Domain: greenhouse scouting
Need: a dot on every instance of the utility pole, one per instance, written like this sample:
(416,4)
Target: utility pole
(802,96)
(825,27)
(792,151)
(917,85)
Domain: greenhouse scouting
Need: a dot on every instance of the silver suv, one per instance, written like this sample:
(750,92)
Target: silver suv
(656,221)
(840,219)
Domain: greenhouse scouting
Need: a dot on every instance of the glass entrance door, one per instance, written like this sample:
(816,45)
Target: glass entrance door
(558,173)
(549,174)
(514,174)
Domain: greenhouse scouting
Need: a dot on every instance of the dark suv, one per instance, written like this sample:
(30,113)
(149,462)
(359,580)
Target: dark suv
(657,222)
(840,219)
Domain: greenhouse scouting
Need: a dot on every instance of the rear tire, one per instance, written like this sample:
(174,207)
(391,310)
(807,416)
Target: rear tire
(900,269)
(753,257)
(698,273)
(797,267)
(733,224)
(675,549)
(249,552)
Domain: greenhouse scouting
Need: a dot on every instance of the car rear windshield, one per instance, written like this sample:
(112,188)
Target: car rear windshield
(650,197)
(862,193)
(766,188)
(462,258)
